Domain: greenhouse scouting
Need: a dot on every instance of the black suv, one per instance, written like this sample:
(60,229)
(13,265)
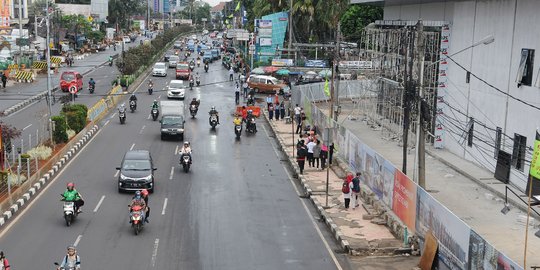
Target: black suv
(136,172)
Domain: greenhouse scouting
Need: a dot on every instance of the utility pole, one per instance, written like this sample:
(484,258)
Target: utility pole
(20,31)
(49,94)
(409,88)
(420,140)
(148,15)
(335,72)
(290,29)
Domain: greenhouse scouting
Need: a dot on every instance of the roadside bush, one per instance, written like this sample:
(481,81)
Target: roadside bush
(75,116)
(41,152)
(71,133)
(60,127)
(25,156)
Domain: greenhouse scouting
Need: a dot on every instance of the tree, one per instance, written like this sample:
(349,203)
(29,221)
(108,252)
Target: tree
(356,18)
(121,10)
(9,132)
(203,12)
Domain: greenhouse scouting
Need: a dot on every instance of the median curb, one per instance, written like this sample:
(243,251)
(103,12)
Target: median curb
(45,179)
(324,216)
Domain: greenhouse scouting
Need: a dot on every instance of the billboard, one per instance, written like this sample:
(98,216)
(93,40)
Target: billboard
(315,63)
(4,13)
(265,41)
(282,62)
(264,24)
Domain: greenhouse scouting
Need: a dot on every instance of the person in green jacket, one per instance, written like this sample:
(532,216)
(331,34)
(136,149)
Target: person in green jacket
(72,195)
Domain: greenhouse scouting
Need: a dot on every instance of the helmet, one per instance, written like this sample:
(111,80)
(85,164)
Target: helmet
(194,99)
(138,194)
(186,143)
(91,79)
(144,192)
(70,185)
(132,94)
(213,108)
(155,101)
(71,247)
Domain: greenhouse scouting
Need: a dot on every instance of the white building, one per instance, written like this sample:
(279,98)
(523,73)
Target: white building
(497,85)
(98,9)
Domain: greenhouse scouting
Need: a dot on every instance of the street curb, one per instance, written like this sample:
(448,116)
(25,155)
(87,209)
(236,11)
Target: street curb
(45,179)
(332,226)
(43,94)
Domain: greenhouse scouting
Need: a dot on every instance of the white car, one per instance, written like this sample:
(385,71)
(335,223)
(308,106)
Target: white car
(173,61)
(160,69)
(205,32)
(126,39)
(176,89)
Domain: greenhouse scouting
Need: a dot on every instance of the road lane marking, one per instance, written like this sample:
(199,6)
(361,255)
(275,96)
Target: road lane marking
(176,150)
(112,115)
(27,126)
(116,173)
(164,206)
(142,129)
(154,252)
(77,240)
(150,115)
(326,245)
(131,148)
(107,122)
(99,203)
(172,173)
(44,190)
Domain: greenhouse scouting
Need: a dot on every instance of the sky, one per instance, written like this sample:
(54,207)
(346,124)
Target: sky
(214,2)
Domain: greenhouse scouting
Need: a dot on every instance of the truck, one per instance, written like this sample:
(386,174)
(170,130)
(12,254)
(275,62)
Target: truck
(172,119)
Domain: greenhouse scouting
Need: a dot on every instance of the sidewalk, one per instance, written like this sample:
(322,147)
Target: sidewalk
(467,190)
(361,233)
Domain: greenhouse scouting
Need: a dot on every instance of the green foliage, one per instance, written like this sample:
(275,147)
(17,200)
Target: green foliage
(59,132)
(95,36)
(75,116)
(356,18)
(25,156)
(121,11)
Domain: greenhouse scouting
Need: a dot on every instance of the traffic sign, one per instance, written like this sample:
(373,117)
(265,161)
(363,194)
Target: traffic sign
(73,88)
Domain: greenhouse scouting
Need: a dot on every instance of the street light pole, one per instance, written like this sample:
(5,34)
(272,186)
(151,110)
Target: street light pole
(20,31)
(49,94)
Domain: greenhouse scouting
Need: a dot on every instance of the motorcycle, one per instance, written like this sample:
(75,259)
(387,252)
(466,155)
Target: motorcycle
(198,63)
(190,84)
(64,268)
(251,126)
(69,212)
(198,82)
(186,162)
(155,113)
(191,66)
(122,116)
(91,88)
(110,62)
(132,105)
(250,101)
(150,89)
(193,110)
(238,131)
(206,68)
(213,121)
(136,218)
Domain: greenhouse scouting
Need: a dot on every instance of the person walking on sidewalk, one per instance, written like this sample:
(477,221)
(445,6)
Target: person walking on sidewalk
(276,111)
(301,153)
(310,145)
(269,101)
(270,111)
(355,190)
(316,153)
(330,153)
(231,74)
(323,156)
(299,125)
(4,80)
(245,86)
(297,111)
(346,189)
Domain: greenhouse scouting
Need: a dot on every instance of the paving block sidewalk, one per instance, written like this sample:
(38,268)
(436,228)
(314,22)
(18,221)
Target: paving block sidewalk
(363,236)
(467,190)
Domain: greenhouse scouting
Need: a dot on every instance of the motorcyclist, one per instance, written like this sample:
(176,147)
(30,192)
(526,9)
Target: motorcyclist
(213,111)
(250,120)
(197,77)
(144,195)
(155,104)
(4,263)
(198,61)
(92,83)
(137,201)
(72,195)
(71,260)
(237,121)
(186,150)
(195,102)
(110,59)
(150,83)
(122,108)
(206,66)
(133,97)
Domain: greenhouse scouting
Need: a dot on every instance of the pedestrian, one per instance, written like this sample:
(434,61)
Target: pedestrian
(269,101)
(245,86)
(276,98)
(323,156)
(4,79)
(4,262)
(270,111)
(317,153)
(346,190)
(276,111)
(310,146)
(231,73)
(287,107)
(237,93)
(299,125)
(301,153)
(330,153)
(356,190)
(282,110)
(297,111)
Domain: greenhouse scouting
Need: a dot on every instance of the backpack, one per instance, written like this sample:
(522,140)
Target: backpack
(345,187)
(302,152)
(356,184)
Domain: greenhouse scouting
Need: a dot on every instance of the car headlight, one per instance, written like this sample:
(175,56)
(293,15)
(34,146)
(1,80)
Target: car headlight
(163,130)
(123,177)
(148,178)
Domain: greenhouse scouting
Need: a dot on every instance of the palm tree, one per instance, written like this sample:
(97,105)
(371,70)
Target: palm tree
(300,10)
(330,12)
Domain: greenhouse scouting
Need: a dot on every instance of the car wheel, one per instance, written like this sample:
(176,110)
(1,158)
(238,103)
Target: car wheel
(256,90)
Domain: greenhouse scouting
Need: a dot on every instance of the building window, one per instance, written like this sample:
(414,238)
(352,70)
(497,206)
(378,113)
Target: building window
(525,71)
(498,138)
(470,132)
(518,154)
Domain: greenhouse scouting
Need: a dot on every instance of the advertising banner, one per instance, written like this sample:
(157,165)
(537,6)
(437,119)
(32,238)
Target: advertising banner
(265,41)
(282,62)
(263,32)
(404,201)
(264,24)
(4,13)
(356,64)
(315,63)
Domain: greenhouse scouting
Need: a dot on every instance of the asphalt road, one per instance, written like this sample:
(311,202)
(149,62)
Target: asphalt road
(236,208)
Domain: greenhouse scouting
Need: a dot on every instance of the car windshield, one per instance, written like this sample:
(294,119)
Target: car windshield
(176,85)
(173,58)
(68,76)
(136,165)
(160,65)
(172,120)
(273,81)
(182,66)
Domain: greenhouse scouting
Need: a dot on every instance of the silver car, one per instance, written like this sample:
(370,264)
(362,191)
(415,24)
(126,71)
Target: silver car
(160,69)
(173,60)
(176,89)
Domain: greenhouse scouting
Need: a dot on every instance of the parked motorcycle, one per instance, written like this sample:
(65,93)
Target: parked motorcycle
(136,218)
(185,160)
(213,121)
(193,110)
(155,114)
(132,105)
(238,131)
